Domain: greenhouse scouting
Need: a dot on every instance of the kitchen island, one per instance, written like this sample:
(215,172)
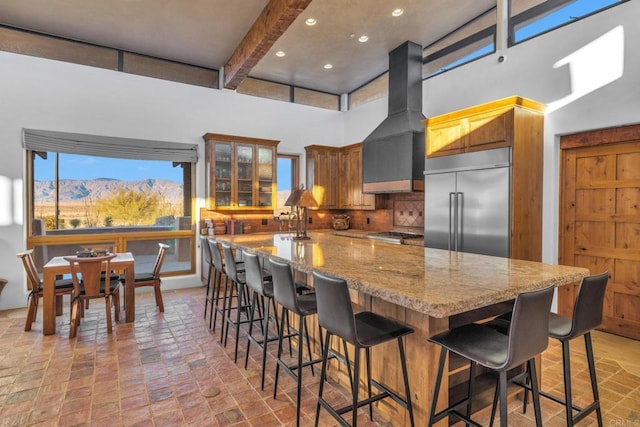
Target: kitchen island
(428,289)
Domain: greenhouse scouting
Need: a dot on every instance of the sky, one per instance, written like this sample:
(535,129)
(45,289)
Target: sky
(83,167)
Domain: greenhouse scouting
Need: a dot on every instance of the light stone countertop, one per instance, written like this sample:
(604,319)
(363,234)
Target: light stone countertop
(435,282)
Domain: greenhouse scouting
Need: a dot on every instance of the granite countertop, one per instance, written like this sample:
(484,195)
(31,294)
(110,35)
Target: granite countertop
(435,282)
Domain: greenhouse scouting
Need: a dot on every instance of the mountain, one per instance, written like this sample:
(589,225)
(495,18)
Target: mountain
(74,190)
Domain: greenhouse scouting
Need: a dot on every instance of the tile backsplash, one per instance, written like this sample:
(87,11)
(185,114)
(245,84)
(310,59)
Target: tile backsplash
(408,213)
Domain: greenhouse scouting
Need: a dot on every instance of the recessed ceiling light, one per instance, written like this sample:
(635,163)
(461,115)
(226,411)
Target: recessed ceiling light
(280,53)
(328,66)
(363,39)
(311,22)
(397,12)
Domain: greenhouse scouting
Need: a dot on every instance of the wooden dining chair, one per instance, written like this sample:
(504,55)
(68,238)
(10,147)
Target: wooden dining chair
(152,278)
(88,276)
(35,286)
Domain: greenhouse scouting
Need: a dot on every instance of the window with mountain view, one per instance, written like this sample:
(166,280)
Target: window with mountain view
(73,191)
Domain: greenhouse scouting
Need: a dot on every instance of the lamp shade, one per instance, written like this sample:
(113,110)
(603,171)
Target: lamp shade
(301,197)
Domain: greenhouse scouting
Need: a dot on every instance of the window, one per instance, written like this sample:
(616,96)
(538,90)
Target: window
(529,18)
(473,40)
(127,195)
(288,179)
(76,192)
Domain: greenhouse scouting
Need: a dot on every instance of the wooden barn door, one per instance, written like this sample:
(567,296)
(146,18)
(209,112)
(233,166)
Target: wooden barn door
(600,219)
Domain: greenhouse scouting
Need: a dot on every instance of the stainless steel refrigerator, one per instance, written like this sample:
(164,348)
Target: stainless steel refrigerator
(467,202)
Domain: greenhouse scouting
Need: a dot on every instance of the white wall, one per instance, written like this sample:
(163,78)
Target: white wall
(43,94)
(596,88)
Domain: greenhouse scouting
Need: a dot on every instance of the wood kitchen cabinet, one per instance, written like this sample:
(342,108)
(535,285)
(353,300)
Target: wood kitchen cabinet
(323,174)
(334,175)
(482,127)
(514,122)
(350,184)
(241,172)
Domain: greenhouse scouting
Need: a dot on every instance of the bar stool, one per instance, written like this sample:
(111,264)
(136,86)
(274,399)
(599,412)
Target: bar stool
(587,315)
(284,290)
(486,346)
(208,298)
(221,291)
(262,288)
(362,330)
(241,295)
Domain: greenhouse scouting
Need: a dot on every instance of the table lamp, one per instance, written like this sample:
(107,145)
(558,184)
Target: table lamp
(301,199)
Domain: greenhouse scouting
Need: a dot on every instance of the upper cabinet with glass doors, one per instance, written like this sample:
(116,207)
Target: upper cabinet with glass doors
(241,172)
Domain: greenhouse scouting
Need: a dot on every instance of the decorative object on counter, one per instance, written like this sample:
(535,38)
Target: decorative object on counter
(340,222)
(301,199)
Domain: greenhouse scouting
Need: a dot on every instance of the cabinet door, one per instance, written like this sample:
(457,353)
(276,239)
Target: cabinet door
(265,176)
(490,130)
(322,176)
(222,179)
(355,177)
(447,138)
(330,179)
(345,200)
(245,174)
(350,188)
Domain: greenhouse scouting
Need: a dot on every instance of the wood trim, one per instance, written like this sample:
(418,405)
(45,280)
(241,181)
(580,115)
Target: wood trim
(240,139)
(322,147)
(273,21)
(352,146)
(393,186)
(505,103)
(600,137)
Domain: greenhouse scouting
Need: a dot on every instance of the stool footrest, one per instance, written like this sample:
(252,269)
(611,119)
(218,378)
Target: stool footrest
(400,401)
(452,410)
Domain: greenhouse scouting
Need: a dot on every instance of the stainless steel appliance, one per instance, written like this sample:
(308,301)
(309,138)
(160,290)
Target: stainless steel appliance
(393,154)
(392,236)
(467,202)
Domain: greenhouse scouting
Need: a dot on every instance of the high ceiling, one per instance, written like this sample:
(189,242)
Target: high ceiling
(208,32)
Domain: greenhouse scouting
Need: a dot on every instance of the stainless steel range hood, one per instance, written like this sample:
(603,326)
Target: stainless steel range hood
(393,155)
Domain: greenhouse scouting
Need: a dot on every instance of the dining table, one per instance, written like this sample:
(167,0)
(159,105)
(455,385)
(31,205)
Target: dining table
(58,266)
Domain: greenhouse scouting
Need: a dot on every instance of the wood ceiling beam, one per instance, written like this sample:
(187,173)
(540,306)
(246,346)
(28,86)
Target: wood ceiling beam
(268,27)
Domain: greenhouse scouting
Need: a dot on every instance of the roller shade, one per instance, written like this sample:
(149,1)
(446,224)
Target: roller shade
(108,146)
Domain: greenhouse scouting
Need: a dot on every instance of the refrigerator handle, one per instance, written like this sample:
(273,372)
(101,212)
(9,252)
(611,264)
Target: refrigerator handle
(452,212)
(459,224)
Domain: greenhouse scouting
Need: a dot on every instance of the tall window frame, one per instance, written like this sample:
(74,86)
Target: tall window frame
(292,174)
(549,15)
(141,241)
(472,40)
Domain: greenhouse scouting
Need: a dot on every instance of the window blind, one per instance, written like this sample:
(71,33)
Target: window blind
(108,146)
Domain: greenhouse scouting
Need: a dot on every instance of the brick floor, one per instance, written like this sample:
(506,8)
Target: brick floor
(169,369)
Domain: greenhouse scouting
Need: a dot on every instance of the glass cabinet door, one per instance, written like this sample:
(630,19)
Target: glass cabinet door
(223,174)
(265,176)
(241,173)
(244,160)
